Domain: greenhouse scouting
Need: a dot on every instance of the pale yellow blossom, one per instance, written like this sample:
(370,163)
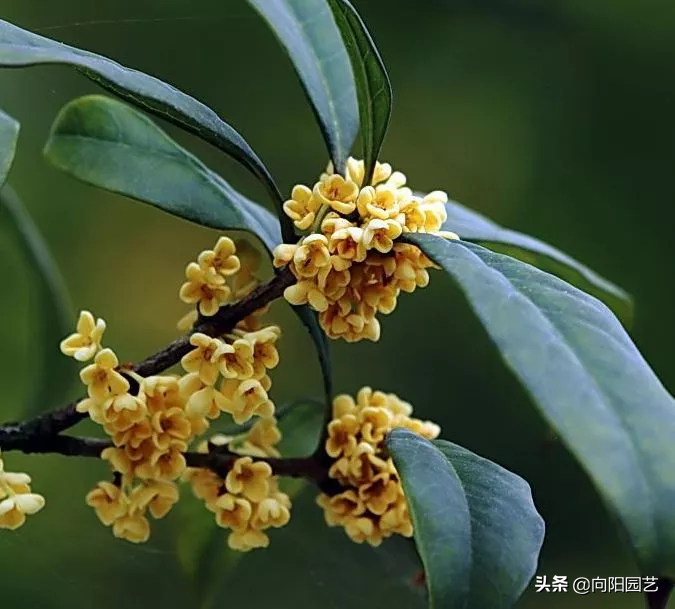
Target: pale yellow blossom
(86,341)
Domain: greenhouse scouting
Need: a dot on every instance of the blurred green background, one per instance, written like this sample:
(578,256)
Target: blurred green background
(554,118)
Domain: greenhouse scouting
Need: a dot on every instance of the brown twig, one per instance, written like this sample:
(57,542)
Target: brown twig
(14,436)
(308,468)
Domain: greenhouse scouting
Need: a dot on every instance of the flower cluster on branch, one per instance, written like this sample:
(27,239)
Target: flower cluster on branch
(350,266)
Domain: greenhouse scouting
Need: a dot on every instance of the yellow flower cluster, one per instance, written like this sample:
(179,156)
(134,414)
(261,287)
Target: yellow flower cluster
(223,275)
(248,501)
(242,359)
(372,505)
(151,430)
(124,506)
(350,267)
(16,499)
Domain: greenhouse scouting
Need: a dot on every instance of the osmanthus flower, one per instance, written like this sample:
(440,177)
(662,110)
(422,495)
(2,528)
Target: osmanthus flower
(204,358)
(123,506)
(86,341)
(353,264)
(371,506)
(244,399)
(221,258)
(101,378)
(16,499)
(249,478)
(248,501)
(302,207)
(205,289)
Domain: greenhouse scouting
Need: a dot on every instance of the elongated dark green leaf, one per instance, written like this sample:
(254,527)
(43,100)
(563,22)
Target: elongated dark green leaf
(106,143)
(587,379)
(307,30)
(373,89)
(51,317)
(9,134)
(476,527)
(20,48)
(472,226)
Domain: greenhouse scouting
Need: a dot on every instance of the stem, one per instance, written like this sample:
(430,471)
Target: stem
(40,429)
(70,446)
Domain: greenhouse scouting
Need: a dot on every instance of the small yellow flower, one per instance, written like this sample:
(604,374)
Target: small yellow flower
(363,529)
(380,235)
(347,243)
(187,322)
(435,214)
(203,359)
(265,354)
(412,216)
(109,502)
(162,465)
(270,512)
(334,222)
(283,254)
(341,507)
(160,393)
(311,255)
(356,172)
(380,493)
(397,519)
(381,202)
(333,279)
(206,485)
(101,378)
(375,424)
(158,496)
(249,478)
(121,412)
(132,527)
(201,400)
(221,258)
(338,193)
(245,399)
(263,437)
(233,512)
(83,344)
(15,508)
(243,541)
(302,207)
(207,289)
(305,292)
(235,361)
(342,436)
(168,426)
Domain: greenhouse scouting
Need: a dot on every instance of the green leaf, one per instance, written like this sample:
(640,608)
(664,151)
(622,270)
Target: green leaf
(472,226)
(9,134)
(51,316)
(307,30)
(301,427)
(587,379)
(108,144)
(476,528)
(373,88)
(20,48)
